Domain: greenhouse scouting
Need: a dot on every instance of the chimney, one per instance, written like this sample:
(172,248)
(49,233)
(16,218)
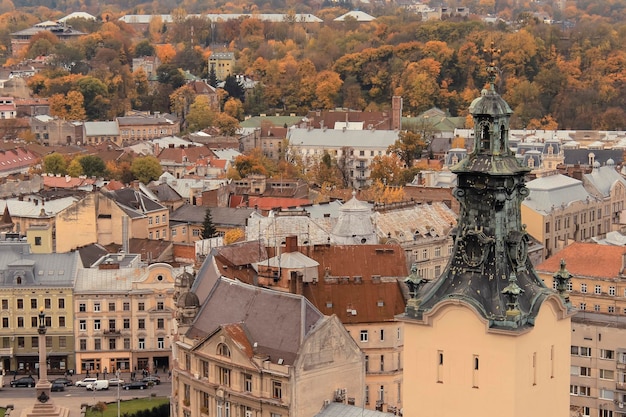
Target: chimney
(396,113)
(291,244)
(135,184)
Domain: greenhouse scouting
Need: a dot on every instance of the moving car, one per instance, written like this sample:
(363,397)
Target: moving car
(64,381)
(116,381)
(57,386)
(136,385)
(153,378)
(85,382)
(98,385)
(25,381)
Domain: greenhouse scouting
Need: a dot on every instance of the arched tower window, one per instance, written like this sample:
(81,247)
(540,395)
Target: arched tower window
(223,350)
(485,136)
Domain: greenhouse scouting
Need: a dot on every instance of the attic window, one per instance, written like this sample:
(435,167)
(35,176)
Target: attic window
(61,272)
(358,279)
(40,272)
(329,304)
(159,277)
(376,279)
(380,303)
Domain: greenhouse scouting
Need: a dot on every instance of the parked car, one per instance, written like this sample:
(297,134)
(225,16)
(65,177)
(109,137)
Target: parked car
(136,385)
(57,386)
(116,381)
(98,385)
(64,381)
(25,381)
(152,378)
(85,382)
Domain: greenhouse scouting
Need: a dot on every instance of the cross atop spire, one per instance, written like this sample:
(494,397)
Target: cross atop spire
(492,70)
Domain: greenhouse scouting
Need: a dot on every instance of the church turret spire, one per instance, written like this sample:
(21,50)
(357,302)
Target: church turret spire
(489,267)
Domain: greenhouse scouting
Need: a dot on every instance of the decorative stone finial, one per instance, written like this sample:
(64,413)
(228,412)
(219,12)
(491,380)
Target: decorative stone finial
(563,278)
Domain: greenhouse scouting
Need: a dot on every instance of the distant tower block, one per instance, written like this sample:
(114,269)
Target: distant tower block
(488,338)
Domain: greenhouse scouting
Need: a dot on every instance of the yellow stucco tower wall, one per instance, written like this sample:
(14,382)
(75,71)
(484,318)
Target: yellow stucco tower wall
(519,374)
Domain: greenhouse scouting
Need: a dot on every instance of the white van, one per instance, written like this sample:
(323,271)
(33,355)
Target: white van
(98,385)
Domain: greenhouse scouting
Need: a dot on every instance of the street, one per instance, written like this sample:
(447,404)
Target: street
(73,397)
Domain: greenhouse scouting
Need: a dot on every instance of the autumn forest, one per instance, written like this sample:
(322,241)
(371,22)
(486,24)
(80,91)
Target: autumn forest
(568,73)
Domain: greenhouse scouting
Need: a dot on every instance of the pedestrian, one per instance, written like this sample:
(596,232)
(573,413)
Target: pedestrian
(97,375)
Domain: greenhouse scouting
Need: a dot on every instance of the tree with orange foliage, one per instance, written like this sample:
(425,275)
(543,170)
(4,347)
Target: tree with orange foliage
(68,107)
(165,52)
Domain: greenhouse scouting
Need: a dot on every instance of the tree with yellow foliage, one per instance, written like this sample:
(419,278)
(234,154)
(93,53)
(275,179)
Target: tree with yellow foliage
(234,235)
(381,193)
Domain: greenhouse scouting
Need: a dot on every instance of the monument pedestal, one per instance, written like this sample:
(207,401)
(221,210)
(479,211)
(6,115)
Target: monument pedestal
(44,407)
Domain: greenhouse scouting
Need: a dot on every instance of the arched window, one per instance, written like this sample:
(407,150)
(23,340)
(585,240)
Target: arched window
(223,350)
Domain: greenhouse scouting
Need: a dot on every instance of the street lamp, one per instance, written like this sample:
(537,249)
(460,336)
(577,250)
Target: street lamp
(117,375)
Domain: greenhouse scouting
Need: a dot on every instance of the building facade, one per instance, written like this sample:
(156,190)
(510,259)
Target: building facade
(236,357)
(31,282)
(123,316)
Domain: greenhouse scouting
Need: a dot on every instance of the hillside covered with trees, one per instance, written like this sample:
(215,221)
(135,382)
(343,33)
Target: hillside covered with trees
(569,72)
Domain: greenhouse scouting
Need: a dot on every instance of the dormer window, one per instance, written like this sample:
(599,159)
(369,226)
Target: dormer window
(223,350)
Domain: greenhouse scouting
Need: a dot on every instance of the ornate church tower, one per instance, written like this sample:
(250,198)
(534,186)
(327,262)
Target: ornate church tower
(487,338)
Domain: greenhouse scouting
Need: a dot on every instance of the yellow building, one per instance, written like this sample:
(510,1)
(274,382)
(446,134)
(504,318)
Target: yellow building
(263,353)
(488,337)
(123,315)
(560,210)
(222,63)
(30,282)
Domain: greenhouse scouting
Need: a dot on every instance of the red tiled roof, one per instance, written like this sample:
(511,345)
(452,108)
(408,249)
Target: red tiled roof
(114,185)
(237,332)
(16,158)
(219,163)
(66,182)
(587,259)
(268,203)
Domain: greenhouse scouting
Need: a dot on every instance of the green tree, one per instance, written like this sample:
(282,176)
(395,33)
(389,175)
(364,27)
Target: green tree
(93,166)
(146,169)
(408,147)
(234,88)
(144,48)
(54,163)
(208,228)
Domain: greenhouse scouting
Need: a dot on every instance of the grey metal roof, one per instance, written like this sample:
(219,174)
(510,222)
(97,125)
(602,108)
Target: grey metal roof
(271,17)
(333,139)
(277,321)
(51,270)
(552,191)
(27,208)
(221,216)
(183,185)
(604,178)
(581,156)
(344,410)
(101,129)
(134,202)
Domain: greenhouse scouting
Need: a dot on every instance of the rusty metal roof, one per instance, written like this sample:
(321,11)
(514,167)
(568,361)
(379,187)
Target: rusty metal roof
(358,283)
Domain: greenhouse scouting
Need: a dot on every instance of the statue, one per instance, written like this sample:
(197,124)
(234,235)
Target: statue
(414,281)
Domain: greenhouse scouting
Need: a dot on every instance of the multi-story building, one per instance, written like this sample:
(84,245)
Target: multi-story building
(222,63)
(54,131)
(250,351)
(142,127)
(354,150)
(423,231)
(21,39)
(559,210)
(101,132)
(148,64)
(123,315)
(31,282)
